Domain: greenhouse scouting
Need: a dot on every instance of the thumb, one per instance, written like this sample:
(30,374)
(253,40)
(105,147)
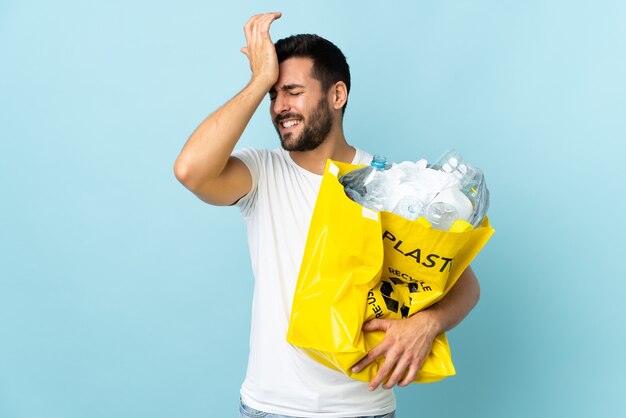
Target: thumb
(244,50)
(376,325)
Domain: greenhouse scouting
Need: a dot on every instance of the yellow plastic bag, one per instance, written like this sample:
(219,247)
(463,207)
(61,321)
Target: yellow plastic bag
(350,275)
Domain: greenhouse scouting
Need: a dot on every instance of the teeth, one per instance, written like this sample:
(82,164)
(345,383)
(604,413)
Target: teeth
(290,123)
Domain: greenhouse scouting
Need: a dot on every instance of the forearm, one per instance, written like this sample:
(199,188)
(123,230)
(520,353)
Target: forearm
(408,341)
(457,304)
(209,147)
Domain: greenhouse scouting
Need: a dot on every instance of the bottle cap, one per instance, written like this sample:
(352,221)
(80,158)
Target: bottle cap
(379,162)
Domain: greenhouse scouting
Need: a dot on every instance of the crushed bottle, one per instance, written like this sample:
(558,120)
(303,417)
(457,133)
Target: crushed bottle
(366,185)
(443,192)
(472,182)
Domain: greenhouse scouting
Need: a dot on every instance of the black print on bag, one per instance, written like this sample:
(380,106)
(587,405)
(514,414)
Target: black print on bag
(386,290)
(396,280)
(371,301)
(413,284)
(391,288)
(430,260)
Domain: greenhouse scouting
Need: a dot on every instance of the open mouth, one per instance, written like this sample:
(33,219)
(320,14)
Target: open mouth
(289,123)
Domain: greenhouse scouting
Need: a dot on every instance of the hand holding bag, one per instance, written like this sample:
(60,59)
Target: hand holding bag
(359,264)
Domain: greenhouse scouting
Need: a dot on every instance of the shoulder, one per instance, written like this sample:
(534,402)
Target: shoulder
(362,157)
(259,154)
(264,162)
(254,158)
(250,153)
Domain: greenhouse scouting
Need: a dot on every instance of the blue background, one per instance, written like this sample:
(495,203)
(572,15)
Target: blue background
(123,295)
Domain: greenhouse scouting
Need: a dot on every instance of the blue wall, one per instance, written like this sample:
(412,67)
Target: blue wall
(122,295)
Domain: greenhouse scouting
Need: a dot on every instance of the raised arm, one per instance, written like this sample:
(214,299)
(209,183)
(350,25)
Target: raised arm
(205,165)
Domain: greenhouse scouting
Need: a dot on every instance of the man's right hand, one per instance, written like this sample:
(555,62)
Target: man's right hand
(260,49)
(205,165)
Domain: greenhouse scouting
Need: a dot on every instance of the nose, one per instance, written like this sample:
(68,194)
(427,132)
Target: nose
(281,104)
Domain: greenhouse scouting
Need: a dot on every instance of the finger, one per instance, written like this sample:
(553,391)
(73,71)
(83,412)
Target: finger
(266,19)
(269,18)
(260,28)
(410,375)
(376,325)
(390,361)
(399,371)
(369,358)
(416,365)
(262,20)
(250,27)
(247,30)
(262,25)
(250,23)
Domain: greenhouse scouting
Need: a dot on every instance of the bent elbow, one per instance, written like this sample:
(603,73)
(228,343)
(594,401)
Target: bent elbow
(181,171)
(189,178)
(184,174)
(477,297)
(476,290)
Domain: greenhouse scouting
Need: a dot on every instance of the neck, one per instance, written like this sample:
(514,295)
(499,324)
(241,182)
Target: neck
(334,147)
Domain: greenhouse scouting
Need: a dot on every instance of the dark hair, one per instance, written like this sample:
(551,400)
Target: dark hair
(329,63)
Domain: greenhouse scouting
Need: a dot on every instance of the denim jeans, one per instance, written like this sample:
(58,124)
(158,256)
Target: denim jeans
(247,412)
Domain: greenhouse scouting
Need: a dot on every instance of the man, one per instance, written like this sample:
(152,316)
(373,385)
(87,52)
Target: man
(308,82)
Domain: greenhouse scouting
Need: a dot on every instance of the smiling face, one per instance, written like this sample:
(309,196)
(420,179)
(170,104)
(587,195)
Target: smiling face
(299,108)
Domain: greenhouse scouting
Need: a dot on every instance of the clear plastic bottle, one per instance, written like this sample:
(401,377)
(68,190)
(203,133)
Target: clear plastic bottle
(472,183)
(409,207)
(366,185)
(441,215)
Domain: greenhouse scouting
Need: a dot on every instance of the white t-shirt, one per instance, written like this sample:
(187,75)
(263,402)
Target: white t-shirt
(282,379)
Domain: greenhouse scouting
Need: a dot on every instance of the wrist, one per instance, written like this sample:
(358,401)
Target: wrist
(262,82)
(431,320)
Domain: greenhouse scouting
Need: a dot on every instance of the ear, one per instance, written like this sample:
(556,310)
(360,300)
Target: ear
(339,95)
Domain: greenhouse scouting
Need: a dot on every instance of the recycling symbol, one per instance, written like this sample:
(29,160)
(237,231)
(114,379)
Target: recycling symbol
(387,290)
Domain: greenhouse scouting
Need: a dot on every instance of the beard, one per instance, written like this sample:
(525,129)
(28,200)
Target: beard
(316,128)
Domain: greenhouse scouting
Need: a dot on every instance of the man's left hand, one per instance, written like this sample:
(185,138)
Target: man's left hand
(406,345)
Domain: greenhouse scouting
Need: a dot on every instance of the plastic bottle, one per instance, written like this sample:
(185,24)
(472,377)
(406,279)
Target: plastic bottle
(413,194)
(441,215)
(472,183)
(366,185)
(409,207)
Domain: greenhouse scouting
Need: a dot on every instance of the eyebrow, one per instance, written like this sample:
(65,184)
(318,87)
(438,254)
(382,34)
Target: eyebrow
(287,87)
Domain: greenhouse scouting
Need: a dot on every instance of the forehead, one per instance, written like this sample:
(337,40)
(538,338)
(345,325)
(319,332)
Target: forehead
(296,70)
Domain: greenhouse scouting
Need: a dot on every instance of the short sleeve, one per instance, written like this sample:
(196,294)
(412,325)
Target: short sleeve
(252,158)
